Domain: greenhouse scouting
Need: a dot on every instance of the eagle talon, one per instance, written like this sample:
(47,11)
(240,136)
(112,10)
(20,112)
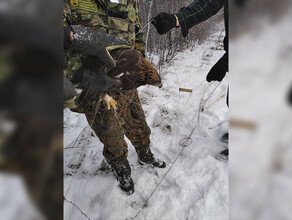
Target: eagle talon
(110,102)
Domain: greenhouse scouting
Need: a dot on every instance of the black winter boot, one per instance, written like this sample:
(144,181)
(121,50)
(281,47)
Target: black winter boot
(223,155)
(146,157)
(123,174)
(225,138)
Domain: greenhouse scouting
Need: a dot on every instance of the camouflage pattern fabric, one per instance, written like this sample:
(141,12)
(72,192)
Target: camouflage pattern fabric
(111,126)
(105,16)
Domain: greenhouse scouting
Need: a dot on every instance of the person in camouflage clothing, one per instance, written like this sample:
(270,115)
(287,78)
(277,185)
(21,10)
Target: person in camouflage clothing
(128,119)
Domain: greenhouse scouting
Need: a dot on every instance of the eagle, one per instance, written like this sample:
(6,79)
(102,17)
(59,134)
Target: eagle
(132,70)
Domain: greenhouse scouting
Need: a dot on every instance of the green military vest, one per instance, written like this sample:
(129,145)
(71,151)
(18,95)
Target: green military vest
(114,18)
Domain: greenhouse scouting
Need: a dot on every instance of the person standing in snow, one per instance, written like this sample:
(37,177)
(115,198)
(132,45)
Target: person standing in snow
(128,119)
(189,16)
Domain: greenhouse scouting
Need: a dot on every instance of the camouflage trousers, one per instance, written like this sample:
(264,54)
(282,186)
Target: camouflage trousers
(111,125)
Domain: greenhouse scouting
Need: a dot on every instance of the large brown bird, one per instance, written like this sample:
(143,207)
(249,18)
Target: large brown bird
(133,70)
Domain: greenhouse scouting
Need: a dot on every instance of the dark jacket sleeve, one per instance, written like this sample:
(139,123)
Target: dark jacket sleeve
(197,12)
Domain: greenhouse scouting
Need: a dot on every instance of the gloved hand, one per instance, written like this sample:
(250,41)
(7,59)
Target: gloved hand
(92,42)
(164,22)
(96,78)
(218,71)
(110,102)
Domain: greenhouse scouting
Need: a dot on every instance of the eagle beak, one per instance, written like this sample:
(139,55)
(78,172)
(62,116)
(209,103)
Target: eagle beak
(159,85)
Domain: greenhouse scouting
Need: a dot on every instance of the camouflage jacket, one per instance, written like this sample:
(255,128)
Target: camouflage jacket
(120,19)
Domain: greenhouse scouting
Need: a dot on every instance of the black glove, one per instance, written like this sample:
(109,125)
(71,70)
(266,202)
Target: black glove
(92,42)
(95,78)
(164,22)
(218,71)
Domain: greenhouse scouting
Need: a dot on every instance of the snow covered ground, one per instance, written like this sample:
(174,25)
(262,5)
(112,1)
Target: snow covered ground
(195,186)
